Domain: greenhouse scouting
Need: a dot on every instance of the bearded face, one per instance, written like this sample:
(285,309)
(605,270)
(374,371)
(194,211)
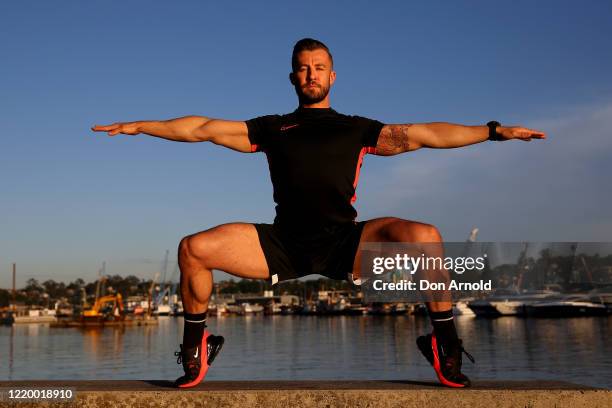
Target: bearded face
(313,76)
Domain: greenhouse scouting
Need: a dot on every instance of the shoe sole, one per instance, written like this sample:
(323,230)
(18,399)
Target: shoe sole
(438,369)
(430,352)
(205,364)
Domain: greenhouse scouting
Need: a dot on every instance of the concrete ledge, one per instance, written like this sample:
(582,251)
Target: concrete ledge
(271,394)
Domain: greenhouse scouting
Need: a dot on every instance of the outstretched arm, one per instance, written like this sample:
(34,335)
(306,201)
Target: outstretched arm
(228,133)
(395,139)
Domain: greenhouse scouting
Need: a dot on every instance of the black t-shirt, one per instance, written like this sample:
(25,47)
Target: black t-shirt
(314,156)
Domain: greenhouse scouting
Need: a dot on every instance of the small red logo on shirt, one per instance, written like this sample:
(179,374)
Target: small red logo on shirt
(287,127)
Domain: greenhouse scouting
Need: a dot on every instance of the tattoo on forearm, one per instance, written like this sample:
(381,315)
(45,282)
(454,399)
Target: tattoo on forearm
(393,139)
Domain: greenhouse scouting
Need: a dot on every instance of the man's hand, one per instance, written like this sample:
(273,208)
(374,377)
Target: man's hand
(520,133)
(126,128)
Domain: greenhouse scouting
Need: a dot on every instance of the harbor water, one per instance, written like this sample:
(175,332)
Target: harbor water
(260,347)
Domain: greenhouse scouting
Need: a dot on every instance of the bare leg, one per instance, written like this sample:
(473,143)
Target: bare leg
(442,348)
(232,248)
(390,229)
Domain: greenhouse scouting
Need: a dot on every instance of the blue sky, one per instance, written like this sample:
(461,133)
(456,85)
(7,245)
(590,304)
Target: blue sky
(72,199)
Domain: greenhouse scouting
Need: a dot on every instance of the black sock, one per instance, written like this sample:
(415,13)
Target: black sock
(193,329)
(444,327)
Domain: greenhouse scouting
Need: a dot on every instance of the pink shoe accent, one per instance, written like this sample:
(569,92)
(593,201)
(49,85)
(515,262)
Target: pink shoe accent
(204,364)
(438,369)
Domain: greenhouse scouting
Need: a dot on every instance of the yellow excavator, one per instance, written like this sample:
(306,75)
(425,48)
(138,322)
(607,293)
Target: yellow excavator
(102,307)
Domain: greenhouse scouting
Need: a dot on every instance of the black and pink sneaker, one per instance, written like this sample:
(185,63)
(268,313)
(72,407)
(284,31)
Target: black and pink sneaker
(445,361)
(197,360)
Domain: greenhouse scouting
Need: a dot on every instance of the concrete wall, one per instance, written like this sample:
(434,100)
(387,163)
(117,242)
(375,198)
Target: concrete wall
(271,394)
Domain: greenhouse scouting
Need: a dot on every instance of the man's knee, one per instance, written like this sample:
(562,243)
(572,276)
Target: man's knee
(184,248)
(429,233)
(194,247)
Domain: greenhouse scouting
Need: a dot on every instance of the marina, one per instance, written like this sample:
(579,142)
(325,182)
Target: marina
(114,311)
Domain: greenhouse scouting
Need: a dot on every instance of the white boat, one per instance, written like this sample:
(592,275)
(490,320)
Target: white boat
(508,302)
(461,308)
(35,316)
(163,310)
(221,309)
(248,308)
(233,308)
(569,306)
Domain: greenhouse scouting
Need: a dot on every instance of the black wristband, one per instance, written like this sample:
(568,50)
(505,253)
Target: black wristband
(493,135)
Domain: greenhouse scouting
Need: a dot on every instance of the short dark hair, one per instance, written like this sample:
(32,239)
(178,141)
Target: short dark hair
(308,44)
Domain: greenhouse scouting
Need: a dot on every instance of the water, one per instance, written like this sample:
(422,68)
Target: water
(577,350)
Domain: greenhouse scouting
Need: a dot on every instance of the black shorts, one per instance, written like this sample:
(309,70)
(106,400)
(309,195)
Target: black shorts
(328,251)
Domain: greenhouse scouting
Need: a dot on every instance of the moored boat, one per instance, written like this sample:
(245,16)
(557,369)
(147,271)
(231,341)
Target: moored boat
(506,302)
(568,306)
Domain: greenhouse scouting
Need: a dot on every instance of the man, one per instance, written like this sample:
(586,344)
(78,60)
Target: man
(314,156)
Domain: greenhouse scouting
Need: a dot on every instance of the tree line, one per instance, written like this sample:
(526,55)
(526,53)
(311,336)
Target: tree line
(48,292)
